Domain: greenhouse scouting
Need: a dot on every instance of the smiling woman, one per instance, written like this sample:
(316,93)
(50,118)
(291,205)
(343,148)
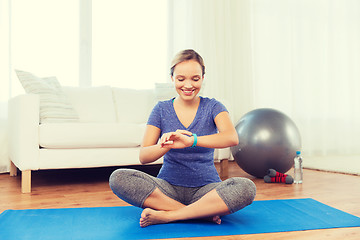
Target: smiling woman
(187,186)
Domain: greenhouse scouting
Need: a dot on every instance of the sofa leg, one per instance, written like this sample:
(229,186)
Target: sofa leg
(26,181)
(224,168)
(13,169)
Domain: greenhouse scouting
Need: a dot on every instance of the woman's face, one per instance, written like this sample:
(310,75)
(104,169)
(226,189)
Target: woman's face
(188,79)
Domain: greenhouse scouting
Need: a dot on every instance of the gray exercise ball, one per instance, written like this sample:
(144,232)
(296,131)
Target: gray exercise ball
(267,139)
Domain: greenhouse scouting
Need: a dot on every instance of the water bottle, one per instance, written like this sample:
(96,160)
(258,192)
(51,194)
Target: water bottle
(298,168)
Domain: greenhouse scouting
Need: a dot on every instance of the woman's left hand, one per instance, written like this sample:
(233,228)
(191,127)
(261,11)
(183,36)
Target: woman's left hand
(177,139)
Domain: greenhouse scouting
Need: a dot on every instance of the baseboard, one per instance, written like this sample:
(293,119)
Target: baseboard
(341,164)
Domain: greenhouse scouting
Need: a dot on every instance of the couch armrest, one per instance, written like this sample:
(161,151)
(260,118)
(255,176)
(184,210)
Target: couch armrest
(24,131)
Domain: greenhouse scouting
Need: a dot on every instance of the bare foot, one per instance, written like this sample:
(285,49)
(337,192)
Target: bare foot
(216,219)
(152,217)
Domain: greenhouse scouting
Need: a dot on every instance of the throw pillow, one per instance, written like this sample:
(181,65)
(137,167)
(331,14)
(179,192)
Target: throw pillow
(54,105)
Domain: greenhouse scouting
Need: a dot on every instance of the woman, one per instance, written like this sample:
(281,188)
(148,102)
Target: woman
(189,128)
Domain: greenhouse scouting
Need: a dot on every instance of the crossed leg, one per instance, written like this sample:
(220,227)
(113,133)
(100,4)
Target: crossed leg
(160,208)
(141,190)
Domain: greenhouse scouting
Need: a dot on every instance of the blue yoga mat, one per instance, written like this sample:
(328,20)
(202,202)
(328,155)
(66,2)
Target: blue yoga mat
(123,222)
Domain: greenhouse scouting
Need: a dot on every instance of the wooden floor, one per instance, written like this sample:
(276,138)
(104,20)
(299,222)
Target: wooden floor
(89,188)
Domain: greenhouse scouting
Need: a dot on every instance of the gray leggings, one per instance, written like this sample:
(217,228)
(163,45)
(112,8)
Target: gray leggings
(134,187)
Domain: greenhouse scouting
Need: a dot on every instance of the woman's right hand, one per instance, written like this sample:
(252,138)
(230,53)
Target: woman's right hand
(152,149)
(178,139)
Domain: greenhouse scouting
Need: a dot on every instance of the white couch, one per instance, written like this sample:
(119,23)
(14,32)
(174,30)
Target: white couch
(108,133)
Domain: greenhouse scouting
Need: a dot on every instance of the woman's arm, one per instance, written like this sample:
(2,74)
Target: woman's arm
(226,137)
(150,150)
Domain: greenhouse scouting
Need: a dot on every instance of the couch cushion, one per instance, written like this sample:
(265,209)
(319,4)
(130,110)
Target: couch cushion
(90,135)
(93,104)
(133,105)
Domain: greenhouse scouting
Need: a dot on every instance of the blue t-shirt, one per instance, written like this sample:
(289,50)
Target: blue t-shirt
(188,167)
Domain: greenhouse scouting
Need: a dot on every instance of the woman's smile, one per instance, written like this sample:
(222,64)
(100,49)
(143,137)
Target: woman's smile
(188,92)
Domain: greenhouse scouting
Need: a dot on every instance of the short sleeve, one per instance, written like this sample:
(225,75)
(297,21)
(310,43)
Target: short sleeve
(155,116)
(218,107)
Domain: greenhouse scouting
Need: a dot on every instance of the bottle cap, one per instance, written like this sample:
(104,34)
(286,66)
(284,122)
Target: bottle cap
(298,152)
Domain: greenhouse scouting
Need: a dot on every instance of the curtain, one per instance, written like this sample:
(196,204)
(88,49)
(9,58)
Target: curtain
(4,82)
(306,59)
(300,57)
